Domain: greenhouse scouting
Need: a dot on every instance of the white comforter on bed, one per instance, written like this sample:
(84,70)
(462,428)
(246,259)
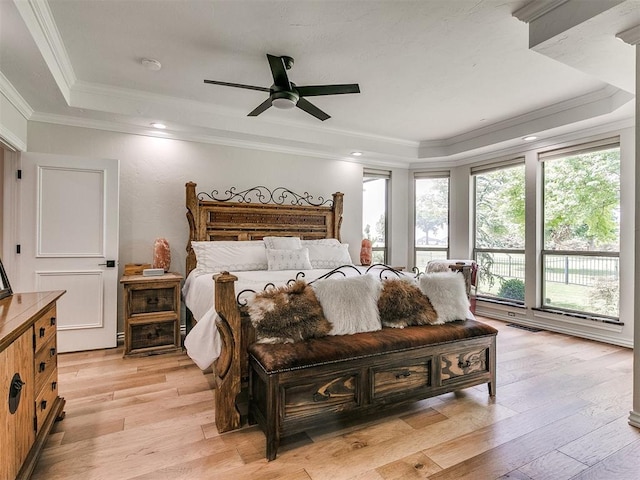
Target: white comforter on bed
(203,342)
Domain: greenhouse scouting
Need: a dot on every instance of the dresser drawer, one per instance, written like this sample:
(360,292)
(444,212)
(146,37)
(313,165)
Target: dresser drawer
(46,397)
(152,300)
(320,395)
(402,378)
(45,327)
(459,364)
(45,362)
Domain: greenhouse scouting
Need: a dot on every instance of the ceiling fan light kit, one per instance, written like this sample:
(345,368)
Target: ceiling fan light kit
(286,95)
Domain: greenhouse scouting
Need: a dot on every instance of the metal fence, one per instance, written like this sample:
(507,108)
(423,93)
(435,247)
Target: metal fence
(567,269)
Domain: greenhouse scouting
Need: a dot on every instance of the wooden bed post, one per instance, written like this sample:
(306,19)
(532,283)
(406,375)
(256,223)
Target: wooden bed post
(193,218)
(228,366)
(338,198)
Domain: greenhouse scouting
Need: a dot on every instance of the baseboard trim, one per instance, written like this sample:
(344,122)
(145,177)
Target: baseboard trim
(634,419)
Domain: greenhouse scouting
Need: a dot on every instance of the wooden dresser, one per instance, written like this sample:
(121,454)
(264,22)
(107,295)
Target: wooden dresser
(151,313)
(29,400)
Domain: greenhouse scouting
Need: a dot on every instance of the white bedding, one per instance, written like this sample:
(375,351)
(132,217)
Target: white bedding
(202,342)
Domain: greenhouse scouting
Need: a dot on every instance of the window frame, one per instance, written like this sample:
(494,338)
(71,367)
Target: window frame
(557,154)
(484,169)
(376,174)
(431,175)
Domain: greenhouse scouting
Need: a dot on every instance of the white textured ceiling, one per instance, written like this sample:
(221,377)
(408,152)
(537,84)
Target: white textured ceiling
(438,78)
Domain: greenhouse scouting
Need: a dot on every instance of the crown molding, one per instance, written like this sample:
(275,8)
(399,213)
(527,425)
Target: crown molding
(11,140)
(536,9)
(601,102)
(509,151)
(39,20)
(11,94)
(215,138)
(630,36)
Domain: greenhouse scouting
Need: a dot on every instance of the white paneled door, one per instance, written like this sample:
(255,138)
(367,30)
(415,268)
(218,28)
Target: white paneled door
(69,241)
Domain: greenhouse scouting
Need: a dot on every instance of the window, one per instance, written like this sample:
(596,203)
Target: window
(431,217)
(581,229)
(499,231)
(375,185)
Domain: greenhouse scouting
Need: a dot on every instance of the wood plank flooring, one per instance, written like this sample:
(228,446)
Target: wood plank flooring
(560,413)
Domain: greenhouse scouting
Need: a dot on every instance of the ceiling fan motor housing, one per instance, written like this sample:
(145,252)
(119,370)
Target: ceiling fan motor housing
(284,99)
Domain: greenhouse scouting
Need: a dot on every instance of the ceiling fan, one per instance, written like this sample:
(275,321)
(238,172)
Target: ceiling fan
(286,95)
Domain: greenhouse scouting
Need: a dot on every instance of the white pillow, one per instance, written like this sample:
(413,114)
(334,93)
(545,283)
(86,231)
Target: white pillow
(447,293)
(282,243)
(350,303)
(321,241)
(218,256)
(298,259)
(329,255)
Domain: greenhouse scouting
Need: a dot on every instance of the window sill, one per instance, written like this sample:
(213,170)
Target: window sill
(501,302)
(591,318)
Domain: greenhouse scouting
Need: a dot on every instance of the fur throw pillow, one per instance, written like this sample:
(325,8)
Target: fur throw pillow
(401,304)
(287,314)
(448,295)
(350,303)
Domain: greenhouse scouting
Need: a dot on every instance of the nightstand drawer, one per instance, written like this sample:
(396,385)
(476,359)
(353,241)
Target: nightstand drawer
(155,334)
(152,300)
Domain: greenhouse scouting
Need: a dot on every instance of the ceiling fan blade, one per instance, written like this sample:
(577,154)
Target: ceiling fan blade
(260,108)
(311,109)
(279,72)
(238,85)
(315,90)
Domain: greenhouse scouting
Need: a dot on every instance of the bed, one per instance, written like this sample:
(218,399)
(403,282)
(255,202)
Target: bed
(259,375)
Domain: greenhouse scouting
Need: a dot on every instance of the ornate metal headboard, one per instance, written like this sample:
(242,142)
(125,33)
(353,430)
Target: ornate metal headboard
(259,212)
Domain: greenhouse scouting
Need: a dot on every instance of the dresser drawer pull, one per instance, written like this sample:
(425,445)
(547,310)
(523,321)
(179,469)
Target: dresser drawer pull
(52,321)
(42,367)
(42,331)
(54,385)
(321,397)
(15,389)
(52,352)
(467,364)
(404,374)
(43,405)
(153,301)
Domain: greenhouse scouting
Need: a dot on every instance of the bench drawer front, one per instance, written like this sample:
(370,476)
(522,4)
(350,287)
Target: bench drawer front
(320,395)
(402,378)
(464,363)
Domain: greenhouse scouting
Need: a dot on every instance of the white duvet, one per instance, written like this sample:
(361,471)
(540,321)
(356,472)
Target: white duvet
(203,342)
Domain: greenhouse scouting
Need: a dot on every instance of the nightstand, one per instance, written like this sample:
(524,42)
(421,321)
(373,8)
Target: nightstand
(151,313)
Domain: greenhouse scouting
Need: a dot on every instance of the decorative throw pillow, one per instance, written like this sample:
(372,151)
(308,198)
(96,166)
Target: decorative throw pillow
(282,243)
(350,303)
(287,314)
(329,255)
(401,304)
(447,293)
(288,259)
(230,256)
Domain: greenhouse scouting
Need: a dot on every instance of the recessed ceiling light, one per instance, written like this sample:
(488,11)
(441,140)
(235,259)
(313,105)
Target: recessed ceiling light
(529,138)
(161,126)
(151,64)
(356,154)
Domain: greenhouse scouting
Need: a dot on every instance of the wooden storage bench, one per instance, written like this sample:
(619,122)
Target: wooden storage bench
(297,386)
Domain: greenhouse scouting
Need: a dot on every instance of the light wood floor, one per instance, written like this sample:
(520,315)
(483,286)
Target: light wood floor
(560,412)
